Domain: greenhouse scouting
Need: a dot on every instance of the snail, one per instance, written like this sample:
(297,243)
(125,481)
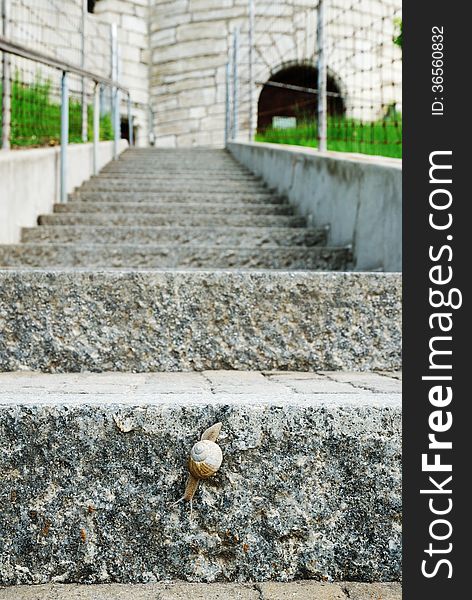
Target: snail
(204,461)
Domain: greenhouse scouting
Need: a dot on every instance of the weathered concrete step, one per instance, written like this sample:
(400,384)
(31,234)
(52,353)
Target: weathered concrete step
(186,170)
(178,590)
(135,175)
(217,236)
(173,256)
(194,156)
(208,185)
(264,197)
(173,175)
(146,219)
(193,160)
(178,154)
(233,168)
(91,465)
(183,320)
(176,209)
(190,165)
(175,180)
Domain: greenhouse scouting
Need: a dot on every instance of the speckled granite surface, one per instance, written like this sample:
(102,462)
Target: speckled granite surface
(50,255)
(184,185)
(195,320)
(252,237)
(174,208)
(310,485)
(220,196)
(202,219)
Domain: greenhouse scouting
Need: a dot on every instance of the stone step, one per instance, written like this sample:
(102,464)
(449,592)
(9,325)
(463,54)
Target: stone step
(195,166)
(172,256)
(174,176)
(310,481)
(155,168)
(194,157)
(194,160)
(193,320)
(176,209)
(208,187)
(216,236)
(160,170)
(221,197)
(178,590)
(167,185)
(197,154)
(146,219)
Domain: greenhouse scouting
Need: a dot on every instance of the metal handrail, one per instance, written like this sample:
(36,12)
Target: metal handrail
(55,63)
(66,68)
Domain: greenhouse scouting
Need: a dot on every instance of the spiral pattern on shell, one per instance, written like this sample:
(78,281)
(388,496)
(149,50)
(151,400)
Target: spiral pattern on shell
(205,459)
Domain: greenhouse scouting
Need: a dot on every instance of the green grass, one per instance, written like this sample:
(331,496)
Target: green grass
(382,137)
(36,117)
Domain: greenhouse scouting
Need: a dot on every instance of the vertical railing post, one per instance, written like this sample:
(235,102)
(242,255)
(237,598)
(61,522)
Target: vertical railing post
(228,103)
(116,127)
(64,133)
(130,123)
(235,84)
(322,77)
(114,91)
(6,80)
(110,92)
(96,126)
(151,136)
(251,70)
(82,61)
(118,101)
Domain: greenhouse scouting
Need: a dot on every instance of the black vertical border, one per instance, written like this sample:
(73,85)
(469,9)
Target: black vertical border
(424,133)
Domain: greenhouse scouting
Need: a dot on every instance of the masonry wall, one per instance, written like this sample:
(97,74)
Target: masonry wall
(173,55)
(190,39)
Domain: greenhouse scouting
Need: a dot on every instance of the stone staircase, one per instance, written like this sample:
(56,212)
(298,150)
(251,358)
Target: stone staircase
(175,209)
(172,291)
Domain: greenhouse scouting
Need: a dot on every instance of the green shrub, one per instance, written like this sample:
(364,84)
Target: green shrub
(383,137)
(36,116)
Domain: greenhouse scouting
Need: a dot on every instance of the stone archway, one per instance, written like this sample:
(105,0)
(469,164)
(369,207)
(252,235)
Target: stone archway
(281,101)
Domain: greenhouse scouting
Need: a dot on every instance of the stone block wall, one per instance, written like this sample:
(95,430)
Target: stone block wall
(173,55)
(190,41)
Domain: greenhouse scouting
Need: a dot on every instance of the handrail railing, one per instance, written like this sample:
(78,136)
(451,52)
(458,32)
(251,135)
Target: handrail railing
(55,63)
(9,47)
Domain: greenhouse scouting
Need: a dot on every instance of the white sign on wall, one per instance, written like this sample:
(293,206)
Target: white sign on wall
(284,122)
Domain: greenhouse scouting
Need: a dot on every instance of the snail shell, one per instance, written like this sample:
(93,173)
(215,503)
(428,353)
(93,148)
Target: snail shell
(205,459)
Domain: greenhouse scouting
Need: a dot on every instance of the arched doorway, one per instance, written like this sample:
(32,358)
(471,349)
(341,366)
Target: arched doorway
(279,101)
